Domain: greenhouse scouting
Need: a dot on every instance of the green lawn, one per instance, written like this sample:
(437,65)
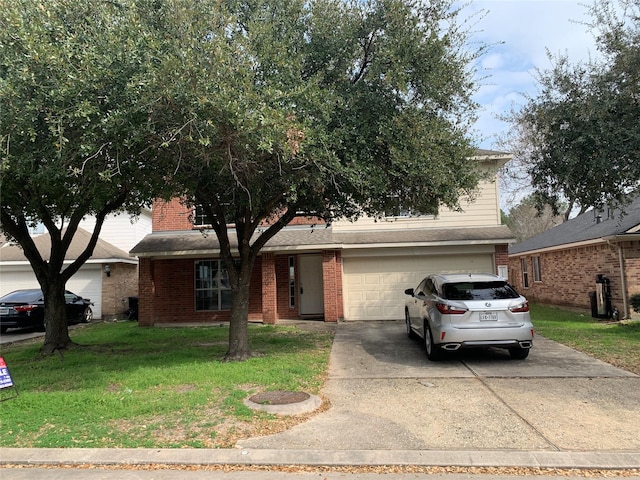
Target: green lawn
(617,343)
(154,387)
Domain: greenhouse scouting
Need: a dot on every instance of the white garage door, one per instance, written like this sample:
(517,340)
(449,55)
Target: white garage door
(374,286)
(86,283)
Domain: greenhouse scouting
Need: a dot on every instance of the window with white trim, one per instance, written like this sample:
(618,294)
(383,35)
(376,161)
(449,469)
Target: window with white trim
(212,286)
(525,273)
(537,269)
(396,208)
(200,218)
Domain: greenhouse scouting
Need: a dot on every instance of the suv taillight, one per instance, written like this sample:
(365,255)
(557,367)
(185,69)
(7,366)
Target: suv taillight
(450,309)
(522,307)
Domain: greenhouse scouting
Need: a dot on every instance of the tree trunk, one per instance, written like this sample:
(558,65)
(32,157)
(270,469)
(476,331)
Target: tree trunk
(55,318)
(238,327)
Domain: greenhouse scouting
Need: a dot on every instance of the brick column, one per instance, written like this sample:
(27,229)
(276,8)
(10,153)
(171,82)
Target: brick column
(269,293)
(330,286)
(146,292)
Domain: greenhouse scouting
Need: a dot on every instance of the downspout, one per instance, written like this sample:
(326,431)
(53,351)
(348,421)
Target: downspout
(623,278)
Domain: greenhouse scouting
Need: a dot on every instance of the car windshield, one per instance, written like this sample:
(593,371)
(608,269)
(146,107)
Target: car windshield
(20,296)
(478,291)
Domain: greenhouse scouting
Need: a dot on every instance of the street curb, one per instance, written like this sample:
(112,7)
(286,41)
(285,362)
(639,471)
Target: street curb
(458,458)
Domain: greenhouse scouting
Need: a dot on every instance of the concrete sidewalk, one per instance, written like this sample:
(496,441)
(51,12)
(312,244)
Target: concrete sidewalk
(391,406)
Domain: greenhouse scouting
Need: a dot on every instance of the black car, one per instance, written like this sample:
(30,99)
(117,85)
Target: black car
(25,308)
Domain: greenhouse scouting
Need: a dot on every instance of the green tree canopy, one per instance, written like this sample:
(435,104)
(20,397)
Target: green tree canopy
(326,108)
(578,139)
(72,130)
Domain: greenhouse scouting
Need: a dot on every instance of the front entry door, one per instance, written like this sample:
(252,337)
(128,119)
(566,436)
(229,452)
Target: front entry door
(310,290)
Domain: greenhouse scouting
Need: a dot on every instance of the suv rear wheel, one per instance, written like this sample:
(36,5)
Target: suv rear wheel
(519,353)
(434,352)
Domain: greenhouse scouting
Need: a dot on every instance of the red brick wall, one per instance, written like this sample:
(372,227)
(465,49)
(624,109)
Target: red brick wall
(269,295)
(255,304)
(170,216)
(330,273)
(501,256)
(307,221)
(632,266)
(166,291)
(569,275)
(173,215)
(146,293)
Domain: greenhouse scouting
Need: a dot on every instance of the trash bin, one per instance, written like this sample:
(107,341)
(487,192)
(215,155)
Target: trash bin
(132,313)
(594,304)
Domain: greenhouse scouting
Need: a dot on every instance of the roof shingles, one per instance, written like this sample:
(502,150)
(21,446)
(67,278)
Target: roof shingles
(296,238)
(585,227)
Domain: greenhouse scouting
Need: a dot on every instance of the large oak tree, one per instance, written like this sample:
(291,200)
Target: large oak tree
(323,108)
(72,131)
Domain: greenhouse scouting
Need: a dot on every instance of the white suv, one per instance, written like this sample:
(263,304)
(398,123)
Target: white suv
(452,311)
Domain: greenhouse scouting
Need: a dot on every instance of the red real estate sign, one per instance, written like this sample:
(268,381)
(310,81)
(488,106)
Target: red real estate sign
(5,376)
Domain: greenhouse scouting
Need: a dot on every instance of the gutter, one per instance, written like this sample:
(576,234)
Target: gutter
(615,242)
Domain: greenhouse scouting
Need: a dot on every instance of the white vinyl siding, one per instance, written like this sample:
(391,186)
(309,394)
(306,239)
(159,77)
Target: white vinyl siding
(121,230)
(483,212)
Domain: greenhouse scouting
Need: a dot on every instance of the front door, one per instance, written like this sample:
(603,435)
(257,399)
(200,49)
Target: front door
(310,289)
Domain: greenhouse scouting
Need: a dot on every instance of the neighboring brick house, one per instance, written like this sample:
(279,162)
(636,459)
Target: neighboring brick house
(349,270)
(565,264)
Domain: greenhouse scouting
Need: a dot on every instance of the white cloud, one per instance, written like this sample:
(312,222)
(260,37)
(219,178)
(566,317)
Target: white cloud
(521,32)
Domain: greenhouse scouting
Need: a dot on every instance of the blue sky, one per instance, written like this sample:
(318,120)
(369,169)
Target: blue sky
(527,28)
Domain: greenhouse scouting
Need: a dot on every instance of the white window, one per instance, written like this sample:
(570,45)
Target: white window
(199,217)
(213,290)
(503,271)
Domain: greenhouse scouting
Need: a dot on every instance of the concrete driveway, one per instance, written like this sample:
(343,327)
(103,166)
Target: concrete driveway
(386,395)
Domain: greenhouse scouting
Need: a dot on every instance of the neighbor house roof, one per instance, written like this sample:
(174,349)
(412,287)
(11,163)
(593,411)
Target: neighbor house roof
(298,238)
(591,226)
(11,252)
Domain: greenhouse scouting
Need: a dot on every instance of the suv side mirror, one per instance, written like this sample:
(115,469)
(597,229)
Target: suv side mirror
(409,291)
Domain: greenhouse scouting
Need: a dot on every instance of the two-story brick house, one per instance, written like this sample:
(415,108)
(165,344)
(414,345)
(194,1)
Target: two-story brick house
(348,270)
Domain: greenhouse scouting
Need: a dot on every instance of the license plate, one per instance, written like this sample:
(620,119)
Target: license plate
(488,317)
(4,311)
